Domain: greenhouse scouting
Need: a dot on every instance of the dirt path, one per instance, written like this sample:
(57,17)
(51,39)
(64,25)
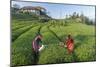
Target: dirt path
(36,55)
(60,40)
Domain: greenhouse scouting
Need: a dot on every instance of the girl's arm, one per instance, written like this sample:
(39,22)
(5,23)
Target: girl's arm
(40,42)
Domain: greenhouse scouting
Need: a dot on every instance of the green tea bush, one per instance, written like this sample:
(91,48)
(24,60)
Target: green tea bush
(18,32)
(84,42)
(22,53)
(55,54)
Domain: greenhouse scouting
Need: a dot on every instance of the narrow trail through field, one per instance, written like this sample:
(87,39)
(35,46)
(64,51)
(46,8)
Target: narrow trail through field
(18,27)
(36,56)
(54,34)
(73,54)
(39,29)
(24,44)
(18,35)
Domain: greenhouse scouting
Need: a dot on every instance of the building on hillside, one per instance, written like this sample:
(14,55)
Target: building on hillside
(78,20)
(38,10)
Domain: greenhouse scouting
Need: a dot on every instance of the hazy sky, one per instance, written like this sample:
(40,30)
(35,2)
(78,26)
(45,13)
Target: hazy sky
(60,10)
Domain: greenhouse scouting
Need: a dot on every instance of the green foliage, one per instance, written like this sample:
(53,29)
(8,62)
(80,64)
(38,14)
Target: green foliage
(55,54)
(22,53)
(75,17)
(52,31)
(20,31)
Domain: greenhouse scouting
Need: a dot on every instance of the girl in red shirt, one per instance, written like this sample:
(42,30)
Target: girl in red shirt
(70,44)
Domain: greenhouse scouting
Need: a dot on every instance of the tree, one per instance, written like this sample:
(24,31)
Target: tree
(16,6)
(67,16)
(77,15)
(86,20)
(82,17)
(74,15)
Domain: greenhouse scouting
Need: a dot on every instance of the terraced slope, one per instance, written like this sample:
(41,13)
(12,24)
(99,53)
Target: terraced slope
(24,33)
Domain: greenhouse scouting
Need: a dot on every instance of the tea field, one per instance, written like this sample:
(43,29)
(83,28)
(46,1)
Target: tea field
(24,32)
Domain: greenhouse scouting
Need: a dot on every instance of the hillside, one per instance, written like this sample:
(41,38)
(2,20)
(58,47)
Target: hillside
(24,33)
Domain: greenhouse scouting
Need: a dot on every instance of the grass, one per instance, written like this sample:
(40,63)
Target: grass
(20,31)
(22,48)
(83,35)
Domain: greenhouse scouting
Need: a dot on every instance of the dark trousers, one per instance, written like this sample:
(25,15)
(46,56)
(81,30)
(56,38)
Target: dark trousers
(36,57)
